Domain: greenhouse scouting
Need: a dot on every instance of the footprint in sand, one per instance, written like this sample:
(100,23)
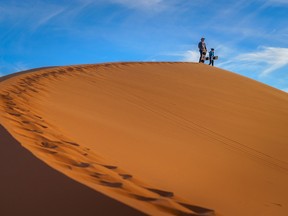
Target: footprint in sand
(10,103)
(47,144)
(126,176)
(29,122)
(47,151)
(143,198)
(109,166)
(98,175)
(34,130)
(111,184)
(199,210)
(39,117)
(15,114)
(19,109)
(82,164)
(161,192)
(71,143)
(43,126)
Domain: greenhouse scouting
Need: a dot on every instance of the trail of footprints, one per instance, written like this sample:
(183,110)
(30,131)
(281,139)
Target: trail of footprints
(60,148)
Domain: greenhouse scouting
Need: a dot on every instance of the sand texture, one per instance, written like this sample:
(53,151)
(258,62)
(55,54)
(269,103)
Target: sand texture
(142,139)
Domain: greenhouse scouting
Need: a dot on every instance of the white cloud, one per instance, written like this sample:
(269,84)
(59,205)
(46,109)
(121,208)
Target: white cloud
(20,66)
(272,58)
(139,2)
(187,56)
(190,56)
(8,68)
(263,62)
(154,5)
(45,18)
(42,13)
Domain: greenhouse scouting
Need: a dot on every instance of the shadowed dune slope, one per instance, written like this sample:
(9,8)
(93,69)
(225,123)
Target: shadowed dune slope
(29,187)
(163,138)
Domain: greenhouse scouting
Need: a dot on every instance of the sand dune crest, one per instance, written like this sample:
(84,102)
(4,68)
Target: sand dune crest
(163,138)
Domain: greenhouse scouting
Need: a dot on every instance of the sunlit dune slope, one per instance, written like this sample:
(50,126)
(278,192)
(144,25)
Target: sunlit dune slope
(163,138)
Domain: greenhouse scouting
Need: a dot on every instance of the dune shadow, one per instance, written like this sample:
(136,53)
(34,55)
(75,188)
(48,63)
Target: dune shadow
(161,192)
(31,187)
(111,184)
(198,209)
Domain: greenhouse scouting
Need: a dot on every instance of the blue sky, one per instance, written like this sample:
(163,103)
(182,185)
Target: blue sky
(250,37)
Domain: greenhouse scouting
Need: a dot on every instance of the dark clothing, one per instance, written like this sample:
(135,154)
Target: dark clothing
(211,55)
(203,50)
(202,46)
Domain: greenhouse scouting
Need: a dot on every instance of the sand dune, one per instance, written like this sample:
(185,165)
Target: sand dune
(30,187)
(161,138)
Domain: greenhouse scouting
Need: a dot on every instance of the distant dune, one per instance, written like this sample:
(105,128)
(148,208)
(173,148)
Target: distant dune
(142,139)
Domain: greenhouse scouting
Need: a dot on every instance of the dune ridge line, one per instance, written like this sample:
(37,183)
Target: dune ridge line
(80,163)
(165,138)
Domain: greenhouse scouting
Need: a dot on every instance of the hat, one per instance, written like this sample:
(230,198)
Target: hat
(202,38)
(212,48)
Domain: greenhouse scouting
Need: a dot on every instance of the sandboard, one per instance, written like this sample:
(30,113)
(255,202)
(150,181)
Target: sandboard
(214,58)
(203,57)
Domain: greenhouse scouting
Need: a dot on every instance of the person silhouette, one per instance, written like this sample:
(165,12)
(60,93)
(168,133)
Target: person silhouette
(211,57)
(202,49)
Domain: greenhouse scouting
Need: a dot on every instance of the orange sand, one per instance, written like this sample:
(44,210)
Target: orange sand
(163,138)
(31,188)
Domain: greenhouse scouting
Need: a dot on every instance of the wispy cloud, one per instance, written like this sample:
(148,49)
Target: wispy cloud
(154,5)
(186,56)
(27,15)
(20,66)
(190,56)
(42,13)
(264,61)
(7,68)
(272,58)
(139,3)
(47,17)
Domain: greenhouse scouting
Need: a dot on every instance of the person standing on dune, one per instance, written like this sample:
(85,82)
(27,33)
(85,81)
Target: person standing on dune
(211,57)
(202,49)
